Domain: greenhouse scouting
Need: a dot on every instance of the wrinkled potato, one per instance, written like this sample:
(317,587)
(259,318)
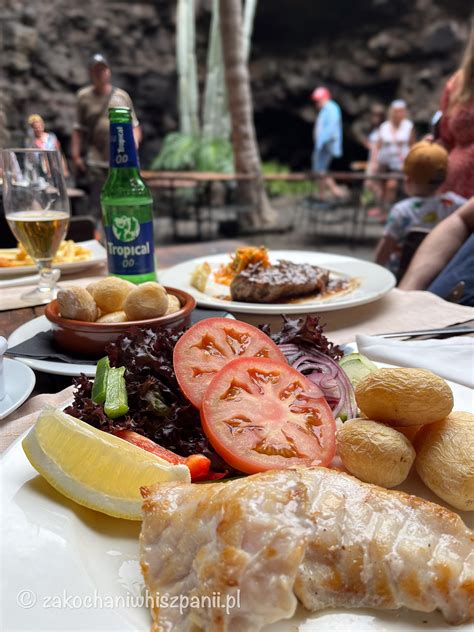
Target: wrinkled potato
(404,397)
(110,293)
(77,303)
(445,459)
(375,453)
(113,317)
(173,304)
(148,300)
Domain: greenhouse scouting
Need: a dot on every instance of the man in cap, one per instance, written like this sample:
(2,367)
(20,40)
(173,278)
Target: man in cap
(425,169)
(90,136)
(327,137)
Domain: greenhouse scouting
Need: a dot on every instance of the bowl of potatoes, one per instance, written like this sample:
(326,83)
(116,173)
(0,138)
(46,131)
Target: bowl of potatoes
(85,320)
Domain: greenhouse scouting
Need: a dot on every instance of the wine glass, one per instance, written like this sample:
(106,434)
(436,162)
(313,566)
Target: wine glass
(37,210)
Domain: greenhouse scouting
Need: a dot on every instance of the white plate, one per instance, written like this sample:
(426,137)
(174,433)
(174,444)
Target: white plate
(30,329)
(61,562)
(99,255)
(374,282)
(19,382)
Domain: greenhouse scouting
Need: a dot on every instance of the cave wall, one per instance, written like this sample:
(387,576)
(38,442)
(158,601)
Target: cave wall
(363,50)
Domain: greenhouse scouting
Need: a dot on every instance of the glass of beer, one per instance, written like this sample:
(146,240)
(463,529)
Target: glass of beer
(37,210)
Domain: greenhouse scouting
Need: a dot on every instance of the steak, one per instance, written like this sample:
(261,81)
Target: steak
(276,283)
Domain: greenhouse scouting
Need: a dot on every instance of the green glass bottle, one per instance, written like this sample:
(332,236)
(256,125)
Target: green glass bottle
(127,206)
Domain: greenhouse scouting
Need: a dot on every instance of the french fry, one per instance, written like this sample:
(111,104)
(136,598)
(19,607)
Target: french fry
(68,252)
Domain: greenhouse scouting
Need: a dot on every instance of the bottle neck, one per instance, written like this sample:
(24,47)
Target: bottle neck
(123,152)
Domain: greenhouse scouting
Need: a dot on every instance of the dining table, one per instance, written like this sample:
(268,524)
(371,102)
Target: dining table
(396,311)
(68,567)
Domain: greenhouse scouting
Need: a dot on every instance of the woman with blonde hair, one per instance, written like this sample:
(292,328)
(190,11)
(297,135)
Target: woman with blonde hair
(394,139)
(457,125)
(41,139)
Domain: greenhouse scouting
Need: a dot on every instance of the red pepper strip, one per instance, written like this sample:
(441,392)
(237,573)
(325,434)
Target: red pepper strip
(198,464)
(211,476)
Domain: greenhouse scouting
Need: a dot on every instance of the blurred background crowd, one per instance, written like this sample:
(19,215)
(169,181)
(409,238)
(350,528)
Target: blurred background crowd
(333,89)
(381,52)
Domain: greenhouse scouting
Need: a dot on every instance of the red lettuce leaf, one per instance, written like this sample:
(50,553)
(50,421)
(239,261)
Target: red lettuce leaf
(307,332)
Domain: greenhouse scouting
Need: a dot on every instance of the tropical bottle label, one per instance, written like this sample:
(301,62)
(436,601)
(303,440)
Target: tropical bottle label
(127,206)
(129,242)
(122,146)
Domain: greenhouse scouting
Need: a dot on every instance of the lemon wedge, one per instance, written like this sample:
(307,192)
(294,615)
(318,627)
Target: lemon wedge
(94,468)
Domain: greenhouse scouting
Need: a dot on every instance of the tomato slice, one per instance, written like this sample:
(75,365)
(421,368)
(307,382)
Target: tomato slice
(209,345)
(198,464)
(260,414)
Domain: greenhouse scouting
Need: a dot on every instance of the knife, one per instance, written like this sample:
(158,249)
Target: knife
(453,331)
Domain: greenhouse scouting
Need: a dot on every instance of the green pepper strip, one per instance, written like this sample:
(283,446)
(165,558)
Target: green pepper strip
(116,401)
(100,381)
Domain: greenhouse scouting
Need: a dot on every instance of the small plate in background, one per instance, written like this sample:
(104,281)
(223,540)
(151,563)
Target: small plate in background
(19,382)
(98,255)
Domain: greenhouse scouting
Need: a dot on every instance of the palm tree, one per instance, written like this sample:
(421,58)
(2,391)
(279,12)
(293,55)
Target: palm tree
(187,72)
(244,142)
(215,115)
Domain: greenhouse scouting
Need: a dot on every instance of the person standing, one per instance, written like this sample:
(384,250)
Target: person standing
(327,137)
(90,136)
(457,125)
(366,132)
(41,139)
(395,137)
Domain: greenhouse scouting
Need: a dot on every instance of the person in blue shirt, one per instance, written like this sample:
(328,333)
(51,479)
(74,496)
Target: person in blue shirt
(327,137)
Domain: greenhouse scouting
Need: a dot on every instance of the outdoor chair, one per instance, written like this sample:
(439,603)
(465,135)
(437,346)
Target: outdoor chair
(366,202)
(181,203)
(411,245)
(81,228)
(412,241)
(318,214)
(7,238)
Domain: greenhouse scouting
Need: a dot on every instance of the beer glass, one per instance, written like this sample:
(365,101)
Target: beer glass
(37,210)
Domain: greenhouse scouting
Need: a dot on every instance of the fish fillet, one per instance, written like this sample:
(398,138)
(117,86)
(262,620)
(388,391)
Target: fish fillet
(311,534)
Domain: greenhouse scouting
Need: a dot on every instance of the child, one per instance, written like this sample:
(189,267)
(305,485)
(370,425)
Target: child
(425,169)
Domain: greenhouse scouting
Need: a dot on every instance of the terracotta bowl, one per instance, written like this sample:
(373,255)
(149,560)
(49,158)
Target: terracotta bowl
(90,339)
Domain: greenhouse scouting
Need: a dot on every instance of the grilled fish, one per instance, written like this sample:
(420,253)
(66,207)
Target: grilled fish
(310,534)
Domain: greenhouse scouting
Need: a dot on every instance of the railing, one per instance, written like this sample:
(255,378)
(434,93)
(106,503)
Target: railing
(211,176)
(200,184)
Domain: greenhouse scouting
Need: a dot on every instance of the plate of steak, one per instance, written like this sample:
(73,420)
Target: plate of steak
(290,282)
